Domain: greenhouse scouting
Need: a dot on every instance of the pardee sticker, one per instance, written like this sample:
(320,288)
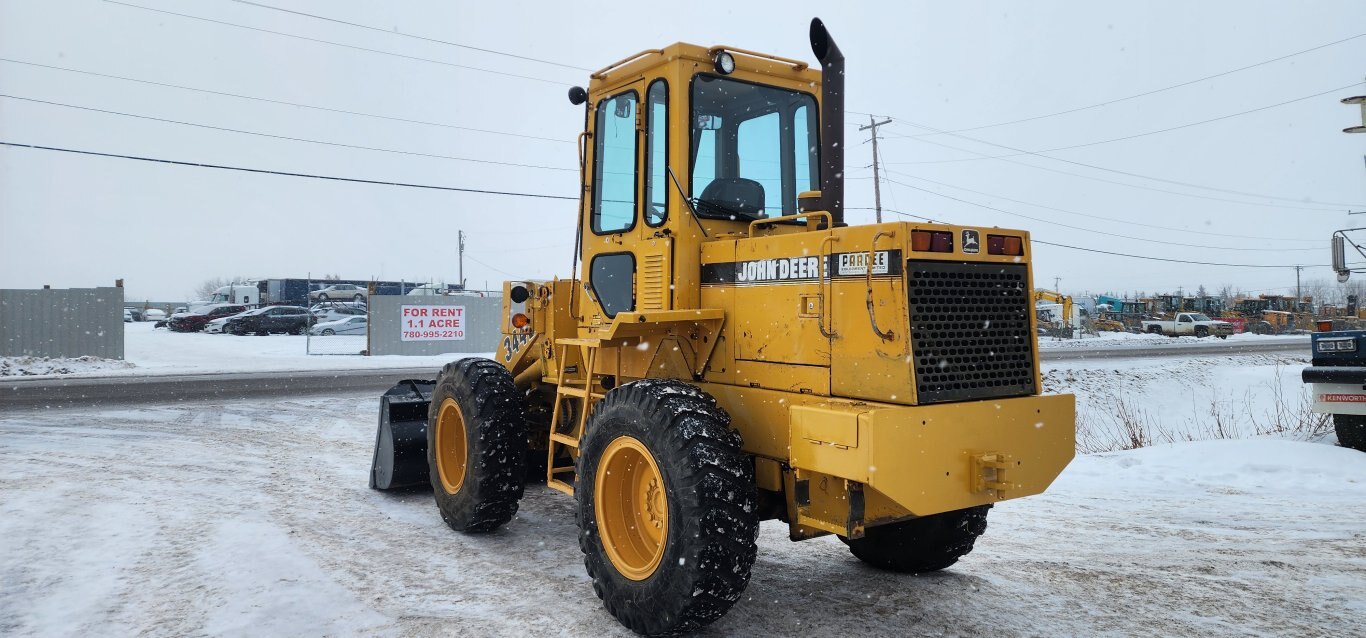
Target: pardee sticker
(857,263)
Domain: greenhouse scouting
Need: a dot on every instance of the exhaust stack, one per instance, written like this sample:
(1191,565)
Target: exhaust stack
(832,120)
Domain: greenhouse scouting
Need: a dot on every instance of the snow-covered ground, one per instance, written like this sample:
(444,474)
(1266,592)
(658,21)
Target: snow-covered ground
(1142,340)
(251,519)
(149,351)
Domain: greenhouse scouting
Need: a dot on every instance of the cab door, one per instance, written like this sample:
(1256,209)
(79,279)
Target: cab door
(627,258)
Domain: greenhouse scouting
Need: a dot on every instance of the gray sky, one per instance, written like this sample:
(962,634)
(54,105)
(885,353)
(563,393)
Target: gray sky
(82,221)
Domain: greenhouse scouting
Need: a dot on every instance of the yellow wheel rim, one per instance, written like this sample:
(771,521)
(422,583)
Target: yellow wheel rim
(631,508)
(451,446)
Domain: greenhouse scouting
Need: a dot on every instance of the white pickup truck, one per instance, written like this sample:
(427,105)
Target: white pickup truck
(1189,323)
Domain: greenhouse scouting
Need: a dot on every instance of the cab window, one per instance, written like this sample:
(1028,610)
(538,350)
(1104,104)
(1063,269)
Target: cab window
(753,148)
(614,164)
(656,153)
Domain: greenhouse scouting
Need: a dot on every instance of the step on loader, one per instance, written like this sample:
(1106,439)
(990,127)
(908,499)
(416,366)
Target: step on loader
(730,350)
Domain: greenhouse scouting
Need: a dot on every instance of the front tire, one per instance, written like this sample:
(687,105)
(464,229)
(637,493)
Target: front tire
(925,544)
(327,332)
(1351,431)
(1201,332)
(476,445)
(666,507)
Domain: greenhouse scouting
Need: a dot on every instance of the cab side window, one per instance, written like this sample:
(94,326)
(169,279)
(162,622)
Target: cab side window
(656,153)
(614,164)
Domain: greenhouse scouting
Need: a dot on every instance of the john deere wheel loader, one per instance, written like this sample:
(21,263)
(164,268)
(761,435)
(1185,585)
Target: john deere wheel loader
(734,352)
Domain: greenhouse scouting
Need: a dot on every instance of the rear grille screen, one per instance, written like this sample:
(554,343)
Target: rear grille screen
(970,330)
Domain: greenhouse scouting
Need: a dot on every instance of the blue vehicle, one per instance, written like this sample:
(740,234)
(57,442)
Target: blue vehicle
(1337,374)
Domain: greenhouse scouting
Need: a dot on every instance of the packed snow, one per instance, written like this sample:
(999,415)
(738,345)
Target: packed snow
(247,518)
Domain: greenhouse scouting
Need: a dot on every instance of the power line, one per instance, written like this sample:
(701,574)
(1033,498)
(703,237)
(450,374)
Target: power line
(285,173)
(339,44)
(1176,261)
(1154,91)
(411,35)
(1092,216)
(1089,230)
(283,102)
(286,137)
(1136,135)
(1112,170)
(1126,184)
(544,196)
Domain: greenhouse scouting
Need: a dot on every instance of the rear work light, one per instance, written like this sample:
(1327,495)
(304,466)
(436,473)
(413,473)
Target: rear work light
(932,241)
(1005,245)
(1343,344)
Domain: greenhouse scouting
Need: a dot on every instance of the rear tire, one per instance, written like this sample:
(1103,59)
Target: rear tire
(476,445)
(1351,431)
(358,298)
(925,544)
(666,507)
(1157,330)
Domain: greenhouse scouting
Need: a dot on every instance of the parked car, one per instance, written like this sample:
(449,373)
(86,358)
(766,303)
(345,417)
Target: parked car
(338,292)
(262,321)
(127,315)
(219,325)
(154,314)
(323,313)
(347,326)
(135,313)
(195,321)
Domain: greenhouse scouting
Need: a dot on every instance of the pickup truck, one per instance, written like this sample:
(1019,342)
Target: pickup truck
(1189,323)
(1337,378)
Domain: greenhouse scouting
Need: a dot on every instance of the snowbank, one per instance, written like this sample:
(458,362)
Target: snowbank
(43,366)
(1137,340)
(1126,402)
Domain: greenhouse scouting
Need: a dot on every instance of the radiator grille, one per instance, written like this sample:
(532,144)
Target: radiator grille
(970,330)
(652,282)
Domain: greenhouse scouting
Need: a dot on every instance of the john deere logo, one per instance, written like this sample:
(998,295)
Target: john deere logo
(971,242)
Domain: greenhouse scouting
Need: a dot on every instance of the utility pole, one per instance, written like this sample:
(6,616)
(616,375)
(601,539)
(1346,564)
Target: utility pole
(877,181)
(1056,285)
(1298,295)
(461,273)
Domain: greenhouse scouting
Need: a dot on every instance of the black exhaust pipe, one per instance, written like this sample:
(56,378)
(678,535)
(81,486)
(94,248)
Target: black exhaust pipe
(832,120)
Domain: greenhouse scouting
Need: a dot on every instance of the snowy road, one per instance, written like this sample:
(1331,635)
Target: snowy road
(253,518)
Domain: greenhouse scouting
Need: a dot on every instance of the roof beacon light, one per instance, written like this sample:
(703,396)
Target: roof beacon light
(724,63)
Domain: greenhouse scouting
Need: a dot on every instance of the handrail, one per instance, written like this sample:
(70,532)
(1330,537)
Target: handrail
(872,317)
(770,220)
(797,65)
(598,75)
(820,288)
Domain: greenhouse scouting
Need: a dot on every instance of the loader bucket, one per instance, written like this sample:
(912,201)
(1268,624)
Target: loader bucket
(401,442)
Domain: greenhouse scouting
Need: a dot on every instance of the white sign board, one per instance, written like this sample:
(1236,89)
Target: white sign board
(432,323)
(857,263)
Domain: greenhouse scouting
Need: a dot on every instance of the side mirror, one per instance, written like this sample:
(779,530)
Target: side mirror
(1340,258)
(577,95)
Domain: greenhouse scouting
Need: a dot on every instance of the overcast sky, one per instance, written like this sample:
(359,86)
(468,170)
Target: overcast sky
(75,221)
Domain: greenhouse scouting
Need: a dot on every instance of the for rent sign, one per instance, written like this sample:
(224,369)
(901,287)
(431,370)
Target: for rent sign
(432,323)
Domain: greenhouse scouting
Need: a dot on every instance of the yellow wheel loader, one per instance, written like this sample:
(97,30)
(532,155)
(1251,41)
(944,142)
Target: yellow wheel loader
(729,350)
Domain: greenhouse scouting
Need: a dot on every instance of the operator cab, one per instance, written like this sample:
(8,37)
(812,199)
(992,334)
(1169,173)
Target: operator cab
(682,145)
